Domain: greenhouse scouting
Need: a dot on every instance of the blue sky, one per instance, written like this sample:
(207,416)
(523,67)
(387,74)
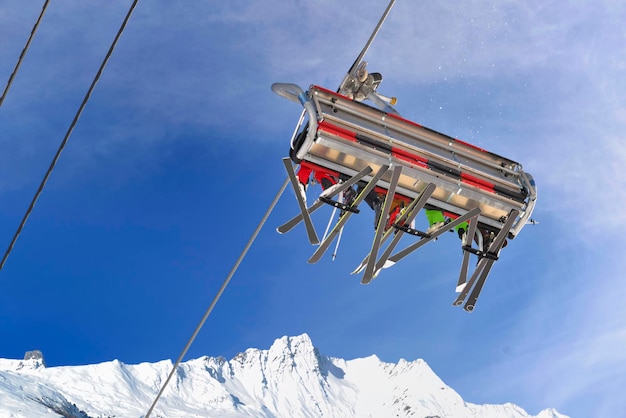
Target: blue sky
(177,156)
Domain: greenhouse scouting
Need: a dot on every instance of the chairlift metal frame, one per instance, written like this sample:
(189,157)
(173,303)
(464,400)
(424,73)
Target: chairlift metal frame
(360,143)
(373,146)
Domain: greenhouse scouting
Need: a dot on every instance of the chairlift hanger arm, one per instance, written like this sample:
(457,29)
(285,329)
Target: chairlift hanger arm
(355,65)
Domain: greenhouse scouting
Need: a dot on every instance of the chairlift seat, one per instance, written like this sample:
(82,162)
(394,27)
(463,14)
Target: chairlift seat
(345,136)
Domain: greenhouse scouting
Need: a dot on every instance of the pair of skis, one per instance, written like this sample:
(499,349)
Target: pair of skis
(398,229)
(305,213)
(469,290)
(372,264)
(381,234)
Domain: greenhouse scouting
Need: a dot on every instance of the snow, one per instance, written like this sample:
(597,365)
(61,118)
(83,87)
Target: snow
(290,379)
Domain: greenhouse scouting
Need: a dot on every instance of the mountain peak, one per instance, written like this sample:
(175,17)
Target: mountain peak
(35,355)
(33,360)
(299,343)
(290,379)
(292,347)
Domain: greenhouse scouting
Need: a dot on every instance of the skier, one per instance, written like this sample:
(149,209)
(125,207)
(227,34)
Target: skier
(436,220)
(375,201)
(328,182)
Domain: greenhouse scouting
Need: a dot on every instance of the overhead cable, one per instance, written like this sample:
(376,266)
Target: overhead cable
(67,135)
(217,296)
(23,54)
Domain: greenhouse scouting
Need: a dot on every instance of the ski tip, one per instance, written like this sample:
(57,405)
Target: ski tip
(388,263)
(368,279)
(460,288)
(358,269)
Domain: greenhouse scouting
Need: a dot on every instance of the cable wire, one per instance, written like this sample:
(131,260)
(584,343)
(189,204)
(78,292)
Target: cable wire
(218,295)
(67,135)
(19,60)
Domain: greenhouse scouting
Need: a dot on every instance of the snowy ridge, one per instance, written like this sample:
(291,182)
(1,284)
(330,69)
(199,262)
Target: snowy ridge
(291,379)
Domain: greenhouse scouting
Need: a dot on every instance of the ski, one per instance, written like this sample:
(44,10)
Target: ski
(416,206)
(460,285)
(400,255)
(382,223)
(363,263)
(484,266)
(485,263)
(346,215)
(405,218)
(310,229)
(482,278)
(289,225)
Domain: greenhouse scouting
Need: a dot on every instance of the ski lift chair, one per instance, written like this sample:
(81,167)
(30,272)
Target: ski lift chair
(360,143)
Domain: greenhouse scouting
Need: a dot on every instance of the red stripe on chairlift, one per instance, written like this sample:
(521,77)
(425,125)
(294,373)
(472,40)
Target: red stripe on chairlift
(475,179)
(454,139)
(400,118)
(319,168)
(411,158)
(337,131)
(396,195)
(334,93)
(320,88)
(450,214)
(410,122)
(471,146)
(476,182)
(400,154)
(478,185)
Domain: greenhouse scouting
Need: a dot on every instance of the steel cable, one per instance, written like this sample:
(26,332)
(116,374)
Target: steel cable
(67,135)
(218,295)
(23,54)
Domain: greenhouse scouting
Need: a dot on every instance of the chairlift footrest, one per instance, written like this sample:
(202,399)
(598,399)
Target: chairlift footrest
(338,205)
(409,230)
(481,254)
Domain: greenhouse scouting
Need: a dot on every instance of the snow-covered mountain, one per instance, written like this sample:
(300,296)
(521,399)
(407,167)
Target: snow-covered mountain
(291,379)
